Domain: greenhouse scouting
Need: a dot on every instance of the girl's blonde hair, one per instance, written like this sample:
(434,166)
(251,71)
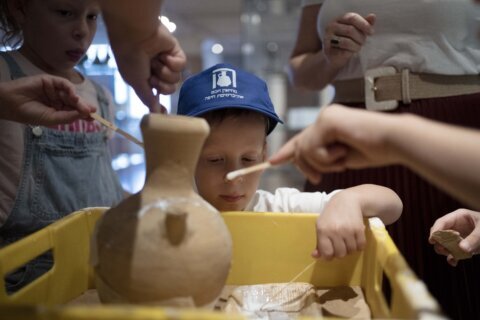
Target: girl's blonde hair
(12,33)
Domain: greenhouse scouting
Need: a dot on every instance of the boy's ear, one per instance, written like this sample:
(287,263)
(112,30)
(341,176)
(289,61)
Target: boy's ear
(17,10)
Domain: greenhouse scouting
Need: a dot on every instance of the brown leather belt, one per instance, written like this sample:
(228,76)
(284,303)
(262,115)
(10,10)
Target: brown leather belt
(382,88)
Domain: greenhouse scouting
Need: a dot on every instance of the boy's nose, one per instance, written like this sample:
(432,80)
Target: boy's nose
(80,30)
(236,180)
(233,165)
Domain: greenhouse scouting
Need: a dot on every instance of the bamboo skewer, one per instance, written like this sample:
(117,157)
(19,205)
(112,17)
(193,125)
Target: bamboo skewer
(241,172)
(110,125)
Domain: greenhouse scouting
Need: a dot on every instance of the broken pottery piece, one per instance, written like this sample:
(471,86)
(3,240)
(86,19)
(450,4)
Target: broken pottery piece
(450,239)
(165,244)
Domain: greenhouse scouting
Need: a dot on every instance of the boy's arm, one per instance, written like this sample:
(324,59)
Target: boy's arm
(340,227)
(377,201)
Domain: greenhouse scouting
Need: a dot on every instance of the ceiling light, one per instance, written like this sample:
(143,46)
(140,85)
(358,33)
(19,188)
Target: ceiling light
(217,48)
(170,25)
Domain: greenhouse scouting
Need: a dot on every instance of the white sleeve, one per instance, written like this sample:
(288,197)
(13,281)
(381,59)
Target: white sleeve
(290,200)
(311,2)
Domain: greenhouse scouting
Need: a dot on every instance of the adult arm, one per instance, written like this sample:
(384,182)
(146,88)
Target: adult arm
(147,55)
(41,100)
(343,138)
(314,65)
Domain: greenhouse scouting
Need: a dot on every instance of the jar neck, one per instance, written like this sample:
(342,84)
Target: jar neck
(170,177)
(172,148)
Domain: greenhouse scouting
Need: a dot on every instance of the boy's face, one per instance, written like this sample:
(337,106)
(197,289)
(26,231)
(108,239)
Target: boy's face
(57,33)
(233,144)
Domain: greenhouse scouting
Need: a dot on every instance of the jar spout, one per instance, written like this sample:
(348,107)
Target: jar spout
(176,224)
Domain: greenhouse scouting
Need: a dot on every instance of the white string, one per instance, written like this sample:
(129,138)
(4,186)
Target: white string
(287,284)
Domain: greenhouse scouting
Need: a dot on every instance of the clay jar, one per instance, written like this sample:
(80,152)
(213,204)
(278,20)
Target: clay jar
(166,244)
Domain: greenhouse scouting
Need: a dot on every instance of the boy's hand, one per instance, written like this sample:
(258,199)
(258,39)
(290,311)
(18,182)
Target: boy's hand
(467,224)
(340,228)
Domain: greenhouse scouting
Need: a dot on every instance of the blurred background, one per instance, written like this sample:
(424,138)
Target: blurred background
(256,35)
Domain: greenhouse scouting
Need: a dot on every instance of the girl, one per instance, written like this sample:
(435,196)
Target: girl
(48,172)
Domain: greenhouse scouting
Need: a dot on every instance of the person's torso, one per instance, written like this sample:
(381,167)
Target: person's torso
(50,172)
(425,36)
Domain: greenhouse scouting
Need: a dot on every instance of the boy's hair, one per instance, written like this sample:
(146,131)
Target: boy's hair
(12,33)
(224,86)
(218,116)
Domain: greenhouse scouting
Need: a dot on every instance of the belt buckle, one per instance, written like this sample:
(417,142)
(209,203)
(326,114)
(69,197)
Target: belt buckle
(370,102)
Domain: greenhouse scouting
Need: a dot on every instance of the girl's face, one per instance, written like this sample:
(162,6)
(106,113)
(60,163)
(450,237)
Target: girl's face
(57,33)
(233,144)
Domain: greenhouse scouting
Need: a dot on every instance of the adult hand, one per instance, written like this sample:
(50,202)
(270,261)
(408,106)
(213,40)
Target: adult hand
(346,36)
(340,138)
(467,224)
(155,63)
(42,100)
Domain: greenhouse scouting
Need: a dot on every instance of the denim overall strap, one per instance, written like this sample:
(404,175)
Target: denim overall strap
(15,70)
(102,100)
(62,172)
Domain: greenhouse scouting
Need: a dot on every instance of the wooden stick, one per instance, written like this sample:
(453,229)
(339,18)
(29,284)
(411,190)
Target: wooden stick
(110,125)
(241,172)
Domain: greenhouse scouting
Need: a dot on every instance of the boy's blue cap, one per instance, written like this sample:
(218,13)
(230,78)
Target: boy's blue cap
(225,86)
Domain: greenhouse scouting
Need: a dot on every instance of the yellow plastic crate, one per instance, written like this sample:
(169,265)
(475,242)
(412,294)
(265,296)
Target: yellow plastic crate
(267,248)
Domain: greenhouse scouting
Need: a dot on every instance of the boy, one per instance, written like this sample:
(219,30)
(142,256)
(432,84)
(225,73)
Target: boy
(237,106)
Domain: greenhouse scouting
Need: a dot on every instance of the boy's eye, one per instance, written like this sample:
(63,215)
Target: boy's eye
(92,17)
(215,160)
(65,13)
(249,160)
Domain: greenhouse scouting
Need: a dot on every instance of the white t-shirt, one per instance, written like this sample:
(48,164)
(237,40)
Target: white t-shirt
(425,36)
(289,200)
(11,133)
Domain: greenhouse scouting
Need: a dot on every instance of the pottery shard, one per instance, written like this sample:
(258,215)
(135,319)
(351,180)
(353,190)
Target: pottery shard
(450,239)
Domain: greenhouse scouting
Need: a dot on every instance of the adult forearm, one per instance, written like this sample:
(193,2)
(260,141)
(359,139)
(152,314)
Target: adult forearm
(311,71)
(447,156)
(131,21)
